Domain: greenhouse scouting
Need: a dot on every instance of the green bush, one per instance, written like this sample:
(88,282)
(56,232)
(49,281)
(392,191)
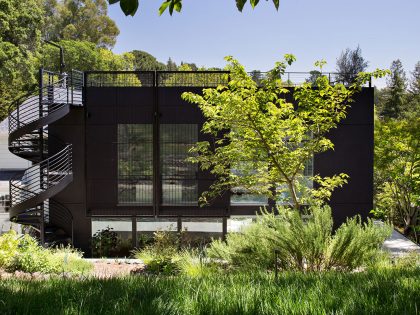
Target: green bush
(31,257)
(302,244)
(68,260)
(107,243)
(23,253)
(193,263)
(161,255)
(9,247)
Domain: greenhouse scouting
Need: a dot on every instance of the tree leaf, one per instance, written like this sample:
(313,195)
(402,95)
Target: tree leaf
(113,1)
(171,7)
(178,6)
(276,3)
(240,4)
(254,3)
(164,6)
(129,7)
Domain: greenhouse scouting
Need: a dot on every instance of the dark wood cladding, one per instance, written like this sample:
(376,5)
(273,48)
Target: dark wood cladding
(93,132)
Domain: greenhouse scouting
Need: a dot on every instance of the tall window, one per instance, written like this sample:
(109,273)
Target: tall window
(179,177)
(135,164)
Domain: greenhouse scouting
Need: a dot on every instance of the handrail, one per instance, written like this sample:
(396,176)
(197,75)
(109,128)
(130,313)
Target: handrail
(30,193)
(198,78)
(50,97)
(23,187)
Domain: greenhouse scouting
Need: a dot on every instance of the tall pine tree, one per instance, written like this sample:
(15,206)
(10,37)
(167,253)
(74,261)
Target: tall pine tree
(414,92)
(395,98)
(349,64)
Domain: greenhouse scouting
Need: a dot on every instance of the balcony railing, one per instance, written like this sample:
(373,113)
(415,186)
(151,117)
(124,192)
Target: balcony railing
(193,78)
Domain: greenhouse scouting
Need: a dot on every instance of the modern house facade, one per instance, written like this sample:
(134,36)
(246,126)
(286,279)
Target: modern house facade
(109,149)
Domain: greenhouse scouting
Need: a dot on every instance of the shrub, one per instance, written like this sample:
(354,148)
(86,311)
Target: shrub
(107,243)
(30,257)
(68,259)
(161,255)
(23,253)
(9,245)
(302,244)
(193,263)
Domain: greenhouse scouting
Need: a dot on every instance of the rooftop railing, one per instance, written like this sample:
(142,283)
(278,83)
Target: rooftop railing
(194,78)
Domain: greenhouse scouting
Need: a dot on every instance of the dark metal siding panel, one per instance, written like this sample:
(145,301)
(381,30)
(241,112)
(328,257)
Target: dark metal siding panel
(174,110)
(123,105)
(70,129)
(353,155)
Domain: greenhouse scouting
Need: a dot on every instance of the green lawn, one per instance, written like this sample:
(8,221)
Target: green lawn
(390,291)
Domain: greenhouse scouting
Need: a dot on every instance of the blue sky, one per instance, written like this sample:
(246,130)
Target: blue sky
(207,30)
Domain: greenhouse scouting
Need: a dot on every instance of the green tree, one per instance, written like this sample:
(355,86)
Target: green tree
(191,66)
(84,20)
(171,65)
(129,7)
(314,75)
(397,172)
(84,56)
(413,108)
(262,142)
(349,64)
(395,93)
(145,61)
(20,38)
(415,82)
(257,76)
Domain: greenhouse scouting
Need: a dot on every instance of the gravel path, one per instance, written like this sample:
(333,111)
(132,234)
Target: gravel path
(109,268)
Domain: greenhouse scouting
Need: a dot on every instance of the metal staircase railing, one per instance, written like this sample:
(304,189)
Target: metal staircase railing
(51,172)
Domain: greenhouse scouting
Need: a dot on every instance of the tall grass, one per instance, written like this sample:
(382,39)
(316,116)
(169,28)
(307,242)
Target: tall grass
(383,291)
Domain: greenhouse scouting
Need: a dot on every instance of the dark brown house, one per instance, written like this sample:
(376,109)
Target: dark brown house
(109,149)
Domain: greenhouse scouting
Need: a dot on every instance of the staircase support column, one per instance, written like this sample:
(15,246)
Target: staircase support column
(42,227)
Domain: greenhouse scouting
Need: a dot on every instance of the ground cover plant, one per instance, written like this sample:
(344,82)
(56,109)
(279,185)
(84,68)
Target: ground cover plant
(23,253)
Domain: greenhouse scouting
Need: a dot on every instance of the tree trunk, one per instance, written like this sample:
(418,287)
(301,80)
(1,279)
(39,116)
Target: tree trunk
(292,191)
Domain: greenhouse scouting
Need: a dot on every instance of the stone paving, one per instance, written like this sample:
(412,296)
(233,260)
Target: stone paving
(399,245)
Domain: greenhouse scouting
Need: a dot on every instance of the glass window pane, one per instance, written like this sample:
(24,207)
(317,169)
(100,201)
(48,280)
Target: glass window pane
(147,226)
(237,223)
(152,224)
(179,177)
(197,232)
(135,164)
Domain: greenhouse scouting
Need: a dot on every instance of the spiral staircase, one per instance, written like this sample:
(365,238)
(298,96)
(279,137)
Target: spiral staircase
(31,195)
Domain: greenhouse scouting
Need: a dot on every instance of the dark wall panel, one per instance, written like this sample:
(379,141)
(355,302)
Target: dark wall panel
(173,109)
(70,129)
(352,155)
(106,108)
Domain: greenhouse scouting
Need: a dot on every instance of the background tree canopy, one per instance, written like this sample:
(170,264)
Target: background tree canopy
(85,20)
(83,55)
(20,38)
